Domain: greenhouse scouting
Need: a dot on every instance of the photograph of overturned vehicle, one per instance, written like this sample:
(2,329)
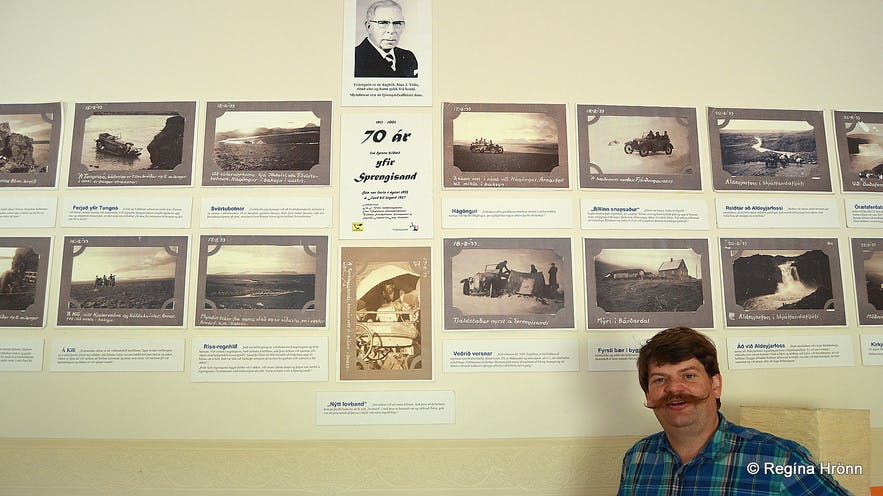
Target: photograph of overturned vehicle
(387,333)
(508,284)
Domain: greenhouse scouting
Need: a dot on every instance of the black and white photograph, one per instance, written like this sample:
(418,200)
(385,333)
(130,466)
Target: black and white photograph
(790,282)
(123,281)
(385,314)
(517,283)
(505,145)
(625,147)
(387,52)
(647,283)
(860,150)
(867,260)
(778,150)
(267,143)
(30,136)
(132,144)
(262,281)
(24,269)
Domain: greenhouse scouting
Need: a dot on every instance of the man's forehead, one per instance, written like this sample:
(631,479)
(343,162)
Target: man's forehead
(662,367)
(388,13)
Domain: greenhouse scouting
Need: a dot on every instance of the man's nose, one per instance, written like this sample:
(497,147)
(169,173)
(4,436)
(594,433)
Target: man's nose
(675,386)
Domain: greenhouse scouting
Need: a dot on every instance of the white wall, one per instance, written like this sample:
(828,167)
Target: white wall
(753,53)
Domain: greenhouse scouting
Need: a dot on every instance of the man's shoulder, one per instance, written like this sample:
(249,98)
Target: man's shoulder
(746,436)
(403,52)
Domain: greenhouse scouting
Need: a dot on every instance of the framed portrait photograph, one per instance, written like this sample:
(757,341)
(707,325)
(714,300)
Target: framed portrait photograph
(262,281)
(505,145)
(24,274)
(647,283)
(387,52)
(508,284)
(860,150)
(867,265)
(132,144)
(119,281)
(30,140)
(625,147)
(768,150)
(385,314)
(267,144)
(793,282)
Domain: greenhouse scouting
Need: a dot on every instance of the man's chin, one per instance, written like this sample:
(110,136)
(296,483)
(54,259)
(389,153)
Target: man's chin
(387,46)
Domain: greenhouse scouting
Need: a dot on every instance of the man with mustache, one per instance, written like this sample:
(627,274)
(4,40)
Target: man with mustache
(698,451)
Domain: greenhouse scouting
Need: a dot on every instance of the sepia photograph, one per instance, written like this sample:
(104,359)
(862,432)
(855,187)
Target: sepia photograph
(860,149)
(29,144)
(769,149)
(386,319)
(244,141)
(782,281)
(638,147)
(135,144)
(505,142)
(23,277)
(505,145)
(867,260)
(123,280)
(518,283)
(647,283)
(266,281)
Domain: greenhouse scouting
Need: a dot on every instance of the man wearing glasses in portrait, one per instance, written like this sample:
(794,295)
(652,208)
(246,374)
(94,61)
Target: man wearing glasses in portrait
(378,54)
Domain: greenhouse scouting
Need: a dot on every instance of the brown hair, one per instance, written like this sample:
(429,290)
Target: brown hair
(674,345)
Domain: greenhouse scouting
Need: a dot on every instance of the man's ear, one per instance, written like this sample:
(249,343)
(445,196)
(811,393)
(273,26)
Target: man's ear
(717,385)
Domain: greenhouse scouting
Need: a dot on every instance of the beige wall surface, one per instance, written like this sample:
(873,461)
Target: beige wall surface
(789,54)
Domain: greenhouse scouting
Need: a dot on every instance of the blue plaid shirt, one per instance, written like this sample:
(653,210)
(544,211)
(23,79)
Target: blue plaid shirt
(736,462)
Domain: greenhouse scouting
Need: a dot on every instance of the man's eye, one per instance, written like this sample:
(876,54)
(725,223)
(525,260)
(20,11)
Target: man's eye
(398,24)
(689,376)
(658,380)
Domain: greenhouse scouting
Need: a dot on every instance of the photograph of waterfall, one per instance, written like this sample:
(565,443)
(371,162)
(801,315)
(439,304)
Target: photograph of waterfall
(782,282)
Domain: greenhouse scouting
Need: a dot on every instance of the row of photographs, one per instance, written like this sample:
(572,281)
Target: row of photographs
(488,283)
(486,145)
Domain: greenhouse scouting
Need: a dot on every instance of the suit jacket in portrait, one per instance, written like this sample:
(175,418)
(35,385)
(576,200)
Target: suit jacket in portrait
(369,62)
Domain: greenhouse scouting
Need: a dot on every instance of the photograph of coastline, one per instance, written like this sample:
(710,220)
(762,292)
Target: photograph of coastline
(30,136)
(132,144)
(267,143)
(262,281)
(860,149)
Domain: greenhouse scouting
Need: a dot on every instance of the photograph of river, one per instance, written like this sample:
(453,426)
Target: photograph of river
(754,147)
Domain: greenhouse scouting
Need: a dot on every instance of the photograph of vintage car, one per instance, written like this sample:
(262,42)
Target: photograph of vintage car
(505,142)
(387,331)
(620,144)
(509,281)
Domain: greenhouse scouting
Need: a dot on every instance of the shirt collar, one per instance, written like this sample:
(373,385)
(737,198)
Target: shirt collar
(381,51)
(719,443)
